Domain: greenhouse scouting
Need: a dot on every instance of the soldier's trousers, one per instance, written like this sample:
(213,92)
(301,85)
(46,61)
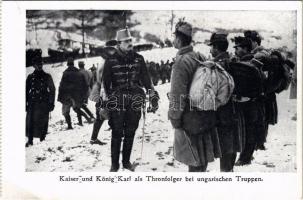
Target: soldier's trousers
(124,123)
(227,162)
(254,117)
(76,107)
(97,124)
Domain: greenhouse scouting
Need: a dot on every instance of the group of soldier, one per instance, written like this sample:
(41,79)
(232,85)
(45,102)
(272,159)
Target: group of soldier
(117,88)
(241,125)
(160,71)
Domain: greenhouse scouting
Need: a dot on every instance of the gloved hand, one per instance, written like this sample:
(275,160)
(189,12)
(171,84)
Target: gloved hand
(176,123)
(154,102)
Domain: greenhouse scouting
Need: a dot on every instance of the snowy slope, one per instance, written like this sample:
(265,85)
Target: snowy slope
(70,150)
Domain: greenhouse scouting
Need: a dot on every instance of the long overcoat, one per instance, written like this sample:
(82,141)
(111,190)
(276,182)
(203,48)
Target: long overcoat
(193,150)
(230,120)
(40,97)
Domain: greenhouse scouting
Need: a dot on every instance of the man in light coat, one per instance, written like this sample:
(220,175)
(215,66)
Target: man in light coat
(193,150)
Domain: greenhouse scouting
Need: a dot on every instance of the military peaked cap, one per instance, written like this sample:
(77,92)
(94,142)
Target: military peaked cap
(242,42)
(217,37)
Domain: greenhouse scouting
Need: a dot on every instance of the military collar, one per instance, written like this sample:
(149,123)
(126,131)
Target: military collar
(185,50)
(221,56)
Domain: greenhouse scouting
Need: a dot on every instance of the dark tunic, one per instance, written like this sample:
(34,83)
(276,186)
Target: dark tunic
(72,87)
(254,119)
(124,77)
(230,122)
(40,97)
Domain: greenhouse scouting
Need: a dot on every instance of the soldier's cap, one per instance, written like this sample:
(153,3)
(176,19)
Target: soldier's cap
(81,63)
(123,35)
(70,61)
(37,57)
(253,35)
(242,42)
(217,37)
(184,28)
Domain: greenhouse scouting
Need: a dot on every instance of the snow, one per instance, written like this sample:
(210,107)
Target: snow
(70,150)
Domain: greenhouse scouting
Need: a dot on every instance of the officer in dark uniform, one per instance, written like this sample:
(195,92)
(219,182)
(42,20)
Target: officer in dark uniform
(252,108)
(125,74)
(229,117)
(40,97)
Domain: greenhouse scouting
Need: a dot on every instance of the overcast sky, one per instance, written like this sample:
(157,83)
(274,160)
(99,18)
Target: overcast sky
(277,23)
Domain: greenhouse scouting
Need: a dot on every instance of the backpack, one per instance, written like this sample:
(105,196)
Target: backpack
(211,86)
(281,72)
(248,78)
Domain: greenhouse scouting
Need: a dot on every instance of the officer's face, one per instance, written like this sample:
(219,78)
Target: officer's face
(213,51)
(177,42)
(254,44)
(240,51)
(126,45)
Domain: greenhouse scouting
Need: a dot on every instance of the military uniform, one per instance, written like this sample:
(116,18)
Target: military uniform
(124,76)
(40,97)
(254,118)
(194,150)
(230,122)
(72,93)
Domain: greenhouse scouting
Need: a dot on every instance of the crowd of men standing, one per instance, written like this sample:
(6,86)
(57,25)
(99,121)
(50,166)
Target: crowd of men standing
(159,71)
(121,85)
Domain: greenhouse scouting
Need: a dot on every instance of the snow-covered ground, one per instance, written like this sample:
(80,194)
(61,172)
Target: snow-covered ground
(70,150)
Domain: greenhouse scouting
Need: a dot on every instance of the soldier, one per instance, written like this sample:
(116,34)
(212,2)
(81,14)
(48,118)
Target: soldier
(98,95)
(204,147)
(72,93)
(252,108)
(153,73)
(167,70)
(124,75)
(271,107)
(94,75)
(229,116)
(40,97)
(88,78)
(162,72)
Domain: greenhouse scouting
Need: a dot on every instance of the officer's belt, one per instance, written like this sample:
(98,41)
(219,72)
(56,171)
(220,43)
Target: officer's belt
(126,86)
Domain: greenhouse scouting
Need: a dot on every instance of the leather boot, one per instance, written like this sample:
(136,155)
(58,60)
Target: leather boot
(127,149)
(115,154)
(96,129)
(79,119)
(68,121)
